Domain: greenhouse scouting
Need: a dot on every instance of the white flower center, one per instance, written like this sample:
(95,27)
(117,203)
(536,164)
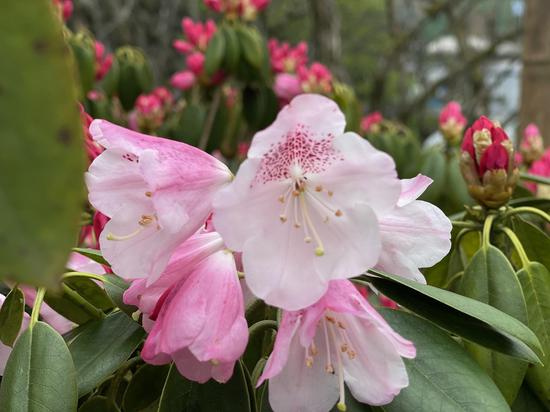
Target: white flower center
(299,199)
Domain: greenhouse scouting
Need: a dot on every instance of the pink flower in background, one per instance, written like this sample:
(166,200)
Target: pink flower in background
(247,9)
(315,79)
(156,192)
(183,80)
(65,8)
(415,234)
(540,167)
(452,122)
(308,196)
(371,122)
(287,86)
(148,103)
(197,36)
(149,111)
(164,95)
(531,146)
(93,149)
(194,311)
(195,62)
(103,61)
(287,59)
(340,340)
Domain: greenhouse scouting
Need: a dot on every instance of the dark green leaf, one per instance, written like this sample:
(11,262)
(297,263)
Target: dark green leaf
(535,281)
(115,288)
(145,387)
(214,53)
(473,320)
(491,279)
(71,305)
(90,291)
(93,254)
(11,316)
(42,156)
(251,45)
(535,242)
(442,376)
(526,401)
(98,404)
(102,346)
(40,375)
(232,49)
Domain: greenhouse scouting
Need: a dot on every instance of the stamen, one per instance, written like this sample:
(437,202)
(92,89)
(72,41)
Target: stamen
(309,360)
(342,402)
(148,194)
(328,368)
(145,220)
(313,349)
(319,250)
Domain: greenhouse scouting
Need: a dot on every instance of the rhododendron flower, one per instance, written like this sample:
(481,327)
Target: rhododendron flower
(247,9)
(315,79)
(103,61)
(371,122)
(541,168)
(183,80)
(415,234)
(65,8)
(531,146)
(487,163)
(194,311)
(287,59)
(309,195)
(195,62)
(164,95)
(339,340)
(93,149)
(287,86)
(197,35)
(157,193)
(452,122)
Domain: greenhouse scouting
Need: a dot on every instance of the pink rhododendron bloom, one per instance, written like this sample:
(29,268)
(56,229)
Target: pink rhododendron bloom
(531,146)
(157,193)
(197,34)
(415,234)
(164,95)
(287,86)
(65,8)
(309,196)
(287,59)
(148,103)
(247,9)
(452,122)
(183,80)
(93,149)
(315,79)
(541,168)
(194,311)
(195,62)
(340,340)
(371,122)
(103,61)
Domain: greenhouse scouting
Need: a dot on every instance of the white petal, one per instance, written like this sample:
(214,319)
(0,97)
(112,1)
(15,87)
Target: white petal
(411,189)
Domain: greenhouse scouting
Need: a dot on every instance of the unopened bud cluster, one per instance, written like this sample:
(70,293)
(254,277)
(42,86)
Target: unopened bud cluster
(487,163)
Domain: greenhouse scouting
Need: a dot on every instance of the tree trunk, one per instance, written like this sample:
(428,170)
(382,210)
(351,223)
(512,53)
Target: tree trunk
(327,40)
(535,86)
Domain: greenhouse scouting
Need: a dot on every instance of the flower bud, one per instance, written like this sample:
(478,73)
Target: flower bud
(487,163)
(531,146)
(371,122)
(183,80)
(452,122)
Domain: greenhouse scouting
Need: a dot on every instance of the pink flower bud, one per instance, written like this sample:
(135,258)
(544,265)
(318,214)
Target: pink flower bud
(452,122)
(316,79)
(103,62)
(541,167)
(164,95)
(195,62)
(147,104)
(371,122)
(183,80)
(65,8)
(287,86)
(182,46)
(531,146)
(215,5)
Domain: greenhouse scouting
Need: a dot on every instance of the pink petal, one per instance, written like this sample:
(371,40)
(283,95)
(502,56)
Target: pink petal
(411,189)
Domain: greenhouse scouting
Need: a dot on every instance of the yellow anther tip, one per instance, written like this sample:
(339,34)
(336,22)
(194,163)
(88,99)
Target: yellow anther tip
(341,407)
(319,251)
(110,236)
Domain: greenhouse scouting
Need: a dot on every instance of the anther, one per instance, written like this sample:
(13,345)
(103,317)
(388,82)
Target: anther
(338,213)
(330,193)
(344,347)
(283,218)
(342,407)
(329,368)
(309,361)
(319,251)
(307,239)
(319,188)
(148,194)
(313,349)
(281,199)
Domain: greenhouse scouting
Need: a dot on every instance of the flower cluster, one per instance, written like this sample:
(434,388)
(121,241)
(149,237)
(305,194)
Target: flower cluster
(452,122)
(150,109)
(310,207)
(197,36)
(540,167)
(371,122)
(531,146)
(103,60)
(488,164)
(292,74)
(246,9)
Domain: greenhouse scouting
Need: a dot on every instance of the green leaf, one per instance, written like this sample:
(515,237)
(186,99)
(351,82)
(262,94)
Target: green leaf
(535,281)
(40,374)
(90,291)
(535,242)
(232,49)
(442,377)
(93,254)
(456,187)
(473,320)
(260,106)
(71,305)
(115,287)
(214,53)
(11,316)
(101,347)
(99,404)
(251,45)
(434,166)
(181,395)
(526,401)
(491,279)
(42,155)
(145,387)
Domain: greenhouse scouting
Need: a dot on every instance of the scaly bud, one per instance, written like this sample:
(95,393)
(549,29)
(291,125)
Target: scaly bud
(488,164)
(531,146)
(452,122)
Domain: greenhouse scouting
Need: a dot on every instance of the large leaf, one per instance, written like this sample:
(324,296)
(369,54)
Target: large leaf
(535,281)
(214,53)
(145,387)
(40,375)
(181,395)
(527,401)
(71,305)
(11,316)
(473,320)
(491,279)
(535,242)
(42,155)
(101,347)
(442,377)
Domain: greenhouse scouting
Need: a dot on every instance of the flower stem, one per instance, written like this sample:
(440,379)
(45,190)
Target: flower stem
(36,306)
(517,245)
(69,275)
(531,210)
(203,142)
(534,178)
(465,225)
(486,242)
(83,303)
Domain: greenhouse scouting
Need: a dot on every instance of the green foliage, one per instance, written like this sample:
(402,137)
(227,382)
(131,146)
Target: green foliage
(42,158)
(11,316)
(40,375)
(145,388)
(135,76)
